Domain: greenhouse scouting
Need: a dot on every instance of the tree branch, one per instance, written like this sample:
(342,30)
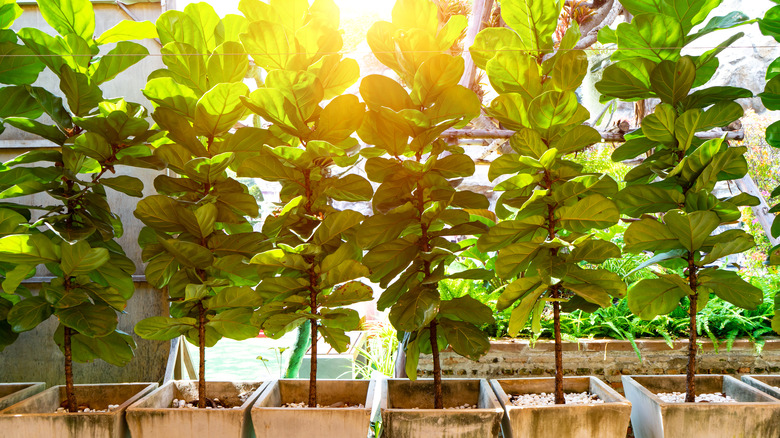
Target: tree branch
(603,17)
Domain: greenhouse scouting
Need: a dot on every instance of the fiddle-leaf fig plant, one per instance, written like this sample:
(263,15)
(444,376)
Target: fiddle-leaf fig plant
(309,148)
(671,192)
(417,206)
(197,241)
(770,26)
(74,235)
(549,207)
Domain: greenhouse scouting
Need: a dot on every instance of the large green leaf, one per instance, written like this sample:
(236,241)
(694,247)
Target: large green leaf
(220,108)
(628,80)
(27,314)
(594,211)
(671,81)
(515,72)
(649,298)
(651,36)
(119,59)
(637,200)
(127,30)
(415,309)
(729,286)
(69,16)
(19,66)
(28,249)
(336,224)
(465,338)
(92,320)
(650,235)
(692,229)
(533,20)
(235,324)
(80,258)
(188,254)
(466,309)
(489,41)
(228,63)
(161,328)
(82,96)
(115,348)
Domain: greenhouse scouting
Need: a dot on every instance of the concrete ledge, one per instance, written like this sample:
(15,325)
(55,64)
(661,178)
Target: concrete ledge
(607,359)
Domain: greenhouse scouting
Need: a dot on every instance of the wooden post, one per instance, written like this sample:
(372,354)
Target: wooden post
(765,218)
(480,13)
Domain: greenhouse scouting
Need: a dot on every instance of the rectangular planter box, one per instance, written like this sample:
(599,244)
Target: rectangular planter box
(407,409)
(767,384)
(12,393)
(607,420)
(37,417)
(755,415)
(270,420)
(152,416)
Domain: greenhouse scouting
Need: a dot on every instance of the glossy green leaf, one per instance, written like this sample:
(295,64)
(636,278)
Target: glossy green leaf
(415,309)
(649,298)
(27,314)
(69,16)
(92,320)
(127,30)
(160,328)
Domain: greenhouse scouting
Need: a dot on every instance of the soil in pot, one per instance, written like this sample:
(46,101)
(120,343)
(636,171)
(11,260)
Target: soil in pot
(548,399)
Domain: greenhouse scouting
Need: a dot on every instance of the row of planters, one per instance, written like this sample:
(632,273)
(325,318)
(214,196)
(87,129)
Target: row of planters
(225,278)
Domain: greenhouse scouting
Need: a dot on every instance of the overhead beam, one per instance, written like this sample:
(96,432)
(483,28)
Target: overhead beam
(607,136)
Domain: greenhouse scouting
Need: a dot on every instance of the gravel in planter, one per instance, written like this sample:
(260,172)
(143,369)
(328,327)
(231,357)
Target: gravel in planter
(548,399)
(679,397)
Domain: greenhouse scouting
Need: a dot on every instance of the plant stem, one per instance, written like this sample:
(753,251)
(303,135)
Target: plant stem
(70,390)
(690,392)
(313,371)
(438,403)
(202,358)
(559,399)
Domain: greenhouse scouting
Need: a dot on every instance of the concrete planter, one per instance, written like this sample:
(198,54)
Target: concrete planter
(767,384)
(270,420)
(12,393)
(152,416)
(36,416)
(407,409)
(755,415)
(607,420)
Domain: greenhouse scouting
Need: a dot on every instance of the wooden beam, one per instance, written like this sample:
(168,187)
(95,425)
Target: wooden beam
(480,13)
(607,136)
(765,218)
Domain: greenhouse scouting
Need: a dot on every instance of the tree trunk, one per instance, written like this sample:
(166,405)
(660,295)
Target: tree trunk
(313,372)
(202,358)
(559,399)
(438,403)
(70,390)
(690,392)
(693,282)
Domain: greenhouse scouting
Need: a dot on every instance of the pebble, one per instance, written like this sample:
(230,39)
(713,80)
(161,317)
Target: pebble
(679,397)
(183,404)
(334,405)
(88,410)
(545,399)
(464,406)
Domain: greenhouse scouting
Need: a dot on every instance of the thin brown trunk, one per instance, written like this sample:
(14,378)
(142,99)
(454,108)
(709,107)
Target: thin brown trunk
(313,372)
(690,392)
(70,390)
(202,359)
(438,403)
(559,399)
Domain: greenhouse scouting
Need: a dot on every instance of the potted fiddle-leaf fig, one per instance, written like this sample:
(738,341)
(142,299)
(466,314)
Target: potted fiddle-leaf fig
(549,208)
(74,236)
(677,214)
(197,240)
(417,210)
(315,262)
